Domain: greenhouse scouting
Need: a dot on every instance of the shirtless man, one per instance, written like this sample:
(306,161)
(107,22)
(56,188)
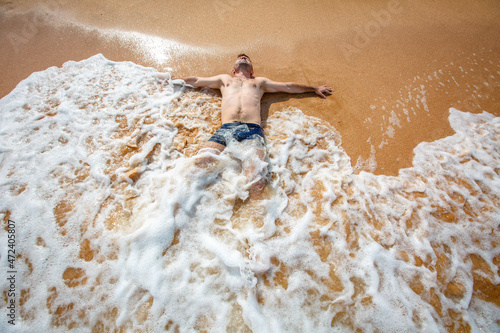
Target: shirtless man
(241,119)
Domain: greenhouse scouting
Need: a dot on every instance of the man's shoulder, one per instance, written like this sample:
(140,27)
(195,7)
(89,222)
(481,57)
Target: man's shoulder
(260,80)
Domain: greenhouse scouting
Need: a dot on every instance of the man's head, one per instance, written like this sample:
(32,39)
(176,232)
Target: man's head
(243,64)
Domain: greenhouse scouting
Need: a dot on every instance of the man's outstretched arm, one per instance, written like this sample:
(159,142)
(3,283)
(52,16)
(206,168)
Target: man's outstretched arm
(295,88)
(214,82)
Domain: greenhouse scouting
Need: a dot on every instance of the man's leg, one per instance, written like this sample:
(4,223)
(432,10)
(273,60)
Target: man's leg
(254,165)
(195,172)
(204,160)
(255,169)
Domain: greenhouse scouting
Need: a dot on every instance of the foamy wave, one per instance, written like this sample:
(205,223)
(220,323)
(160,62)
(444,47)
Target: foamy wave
(117,227)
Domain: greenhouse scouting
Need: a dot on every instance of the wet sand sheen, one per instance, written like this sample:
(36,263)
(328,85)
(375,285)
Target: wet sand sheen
(368,52)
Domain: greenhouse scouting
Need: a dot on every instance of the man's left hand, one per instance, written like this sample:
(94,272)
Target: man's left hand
(323,91)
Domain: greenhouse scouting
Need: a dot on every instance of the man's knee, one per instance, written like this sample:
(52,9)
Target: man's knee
(204,159)
(206,155)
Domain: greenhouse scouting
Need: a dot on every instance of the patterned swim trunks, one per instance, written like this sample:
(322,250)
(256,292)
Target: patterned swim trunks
(237,131)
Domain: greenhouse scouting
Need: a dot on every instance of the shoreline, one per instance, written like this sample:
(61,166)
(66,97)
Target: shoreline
(395,72)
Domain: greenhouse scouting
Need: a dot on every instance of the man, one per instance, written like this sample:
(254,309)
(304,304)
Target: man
(241,118)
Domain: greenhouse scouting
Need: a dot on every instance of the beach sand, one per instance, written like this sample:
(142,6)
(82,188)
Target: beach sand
(375,54)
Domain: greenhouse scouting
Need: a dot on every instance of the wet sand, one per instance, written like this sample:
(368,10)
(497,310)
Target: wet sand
(396,66)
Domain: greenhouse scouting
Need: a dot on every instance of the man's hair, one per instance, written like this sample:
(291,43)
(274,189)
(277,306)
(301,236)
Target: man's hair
(242,54)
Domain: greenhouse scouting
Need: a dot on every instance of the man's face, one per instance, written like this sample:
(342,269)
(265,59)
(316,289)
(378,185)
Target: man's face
(243,59)
(243,62)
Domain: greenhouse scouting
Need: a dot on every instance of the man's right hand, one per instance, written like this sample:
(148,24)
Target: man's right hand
(165,77)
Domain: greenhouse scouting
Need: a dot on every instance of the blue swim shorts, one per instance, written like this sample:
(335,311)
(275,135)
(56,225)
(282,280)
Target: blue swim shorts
(237,131)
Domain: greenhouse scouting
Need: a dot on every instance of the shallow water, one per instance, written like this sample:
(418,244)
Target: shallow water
(116,227)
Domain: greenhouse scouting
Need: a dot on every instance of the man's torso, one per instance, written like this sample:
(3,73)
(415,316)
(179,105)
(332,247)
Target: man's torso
(241,99)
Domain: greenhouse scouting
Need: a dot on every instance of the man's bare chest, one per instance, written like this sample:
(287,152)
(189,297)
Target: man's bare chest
(241,84)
